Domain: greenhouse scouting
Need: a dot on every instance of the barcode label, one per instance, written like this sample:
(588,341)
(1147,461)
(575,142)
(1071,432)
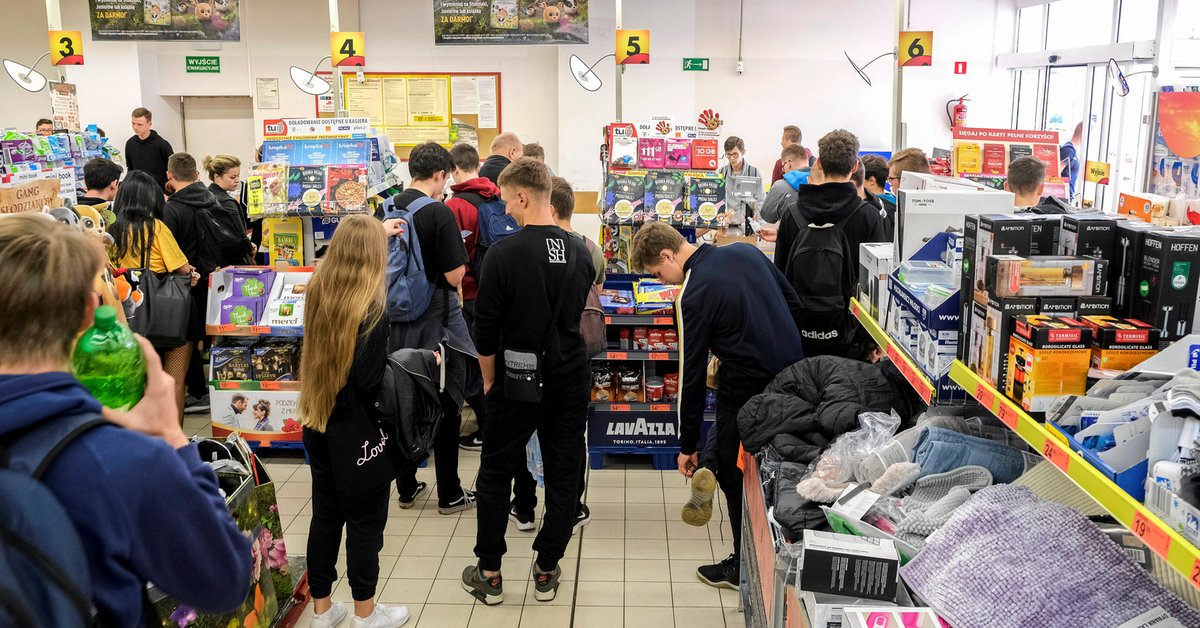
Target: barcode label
(1136,554)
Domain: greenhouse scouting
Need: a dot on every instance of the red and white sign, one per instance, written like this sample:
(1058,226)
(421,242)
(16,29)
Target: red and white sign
(960,67)
(1006,135)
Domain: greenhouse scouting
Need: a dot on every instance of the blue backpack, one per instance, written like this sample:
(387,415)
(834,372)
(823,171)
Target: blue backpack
(494,225)
(409,290)
(44,577)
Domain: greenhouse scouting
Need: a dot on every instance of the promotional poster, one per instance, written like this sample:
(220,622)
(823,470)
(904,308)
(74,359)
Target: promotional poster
(165,20)
(458,22)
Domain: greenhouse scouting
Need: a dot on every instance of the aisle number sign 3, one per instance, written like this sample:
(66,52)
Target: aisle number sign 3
(916,49)
(633,47)
(66,48)
(347,49)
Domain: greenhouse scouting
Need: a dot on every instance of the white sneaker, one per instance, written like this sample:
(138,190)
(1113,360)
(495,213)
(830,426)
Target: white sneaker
(330,618)
(383,617)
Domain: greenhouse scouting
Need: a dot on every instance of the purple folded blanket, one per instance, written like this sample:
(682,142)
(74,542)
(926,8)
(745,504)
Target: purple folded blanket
(1009,558)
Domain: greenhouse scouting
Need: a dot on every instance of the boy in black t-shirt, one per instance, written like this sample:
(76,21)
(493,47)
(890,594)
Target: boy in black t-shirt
(444,259)
(529,276)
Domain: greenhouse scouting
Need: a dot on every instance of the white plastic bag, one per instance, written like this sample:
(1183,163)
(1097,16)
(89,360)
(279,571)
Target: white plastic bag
(533,460)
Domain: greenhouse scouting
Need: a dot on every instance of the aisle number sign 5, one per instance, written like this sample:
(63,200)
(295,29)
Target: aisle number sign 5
(347,49)
(916,49)
(66,48)
(633,47)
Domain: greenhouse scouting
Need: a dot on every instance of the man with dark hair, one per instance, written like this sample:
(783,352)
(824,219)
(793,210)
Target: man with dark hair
(45,126)
(101,178)
(146,150)
(470,191)
(735,153)
(723,288)
(1026,177)
(782,194)
(527,320)
(875,174)
(505,148)
(444,259)
(791,135)
(535,150)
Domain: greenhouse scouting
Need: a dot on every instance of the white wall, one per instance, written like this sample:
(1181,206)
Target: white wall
(795,69)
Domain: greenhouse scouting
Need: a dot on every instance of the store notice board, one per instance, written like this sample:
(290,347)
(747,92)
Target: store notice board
(417,107)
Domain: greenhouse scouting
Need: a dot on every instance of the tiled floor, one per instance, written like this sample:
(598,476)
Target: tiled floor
(634,565)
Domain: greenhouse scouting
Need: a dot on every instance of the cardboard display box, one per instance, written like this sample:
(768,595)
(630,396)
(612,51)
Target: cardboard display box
(1047,357)
(1165,288)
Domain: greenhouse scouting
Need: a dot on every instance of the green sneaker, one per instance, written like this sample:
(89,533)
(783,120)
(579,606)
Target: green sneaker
(545,585)
(490,591)
(698,510)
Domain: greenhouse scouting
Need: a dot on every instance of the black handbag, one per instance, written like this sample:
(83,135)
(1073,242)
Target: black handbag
(166,305)
(523,369)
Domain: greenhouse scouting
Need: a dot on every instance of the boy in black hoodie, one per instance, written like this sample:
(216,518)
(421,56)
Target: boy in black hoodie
(146,150)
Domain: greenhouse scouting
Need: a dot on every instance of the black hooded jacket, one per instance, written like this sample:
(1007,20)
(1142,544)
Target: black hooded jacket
(181,214)
(149,155)
(493,166)
(831,202)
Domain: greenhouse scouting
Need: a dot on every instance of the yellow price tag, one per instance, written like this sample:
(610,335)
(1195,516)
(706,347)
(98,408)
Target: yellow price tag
(66,48)
(916,48)
(1097,172)
(633,47)
(347,49)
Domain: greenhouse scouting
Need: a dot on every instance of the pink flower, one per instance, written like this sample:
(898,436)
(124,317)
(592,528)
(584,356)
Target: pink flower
(256,565)
(273,549)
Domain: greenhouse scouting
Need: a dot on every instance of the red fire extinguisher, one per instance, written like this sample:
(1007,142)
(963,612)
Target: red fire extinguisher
(957,117)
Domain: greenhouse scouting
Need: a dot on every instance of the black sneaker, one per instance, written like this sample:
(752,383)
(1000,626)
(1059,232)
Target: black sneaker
(408,501)
(490,591)
(466,501)
(524,520)
(471,442)
(723,575)
(192,405)
(582,518)
(545,585)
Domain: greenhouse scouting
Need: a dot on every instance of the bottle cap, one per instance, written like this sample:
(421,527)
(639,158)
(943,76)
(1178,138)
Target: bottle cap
(105,317)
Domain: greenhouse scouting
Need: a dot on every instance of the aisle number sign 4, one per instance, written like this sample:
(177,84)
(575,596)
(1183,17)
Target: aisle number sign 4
(633,47)
(66,48)
(347,49)
(916,49)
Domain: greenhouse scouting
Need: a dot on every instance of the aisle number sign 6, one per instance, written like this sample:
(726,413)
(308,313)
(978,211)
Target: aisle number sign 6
(633,47)
(347,49)
(66,48)
(916,49)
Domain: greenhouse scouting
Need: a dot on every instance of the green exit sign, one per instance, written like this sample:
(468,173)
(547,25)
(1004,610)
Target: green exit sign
(695,64)
(211,65)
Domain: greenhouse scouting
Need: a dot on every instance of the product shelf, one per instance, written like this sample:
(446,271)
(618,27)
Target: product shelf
(605,406)
(897,354)
(1158,536)
(254,385)
(253,330)
(650,356)
(639,319)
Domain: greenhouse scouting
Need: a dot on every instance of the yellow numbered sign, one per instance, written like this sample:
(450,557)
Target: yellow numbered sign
(916,48)
(66,47)
(633,47)
(347,49)
(1097,172)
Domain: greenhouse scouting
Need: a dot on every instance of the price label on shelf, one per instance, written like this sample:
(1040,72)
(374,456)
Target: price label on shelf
(618,355)
(270,386)
(1195,574)
(660,407)
(262,330)
(985,396)
(855,308)
(619,407)
(1054,452)
(659,356)
(1152,535)
(608,320)
(229,385)
(663,320)
(1008,415)
(893,354)
(226,329)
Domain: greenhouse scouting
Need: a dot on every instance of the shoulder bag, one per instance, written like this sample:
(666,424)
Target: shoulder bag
(166,305)
(523,369)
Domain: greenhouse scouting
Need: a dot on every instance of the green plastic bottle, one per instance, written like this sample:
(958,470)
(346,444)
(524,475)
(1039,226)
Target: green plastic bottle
(108,361)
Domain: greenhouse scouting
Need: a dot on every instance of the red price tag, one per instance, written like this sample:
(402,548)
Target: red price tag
(229,385)
(664,320)
(1195,577)
(893,354)
(225,329)
(1152,535)
(660,407)
(1054,452)
(260,329)
(608,320)
(985,396)
(924,390)
(1008,415)
(659,356)
(270,386)
(618,355)
(619,407)
(855,309)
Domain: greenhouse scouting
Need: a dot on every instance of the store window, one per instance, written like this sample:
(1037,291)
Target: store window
(1187,20)
(1027,112)
(1030,34)
(1139,20)
(1076,23)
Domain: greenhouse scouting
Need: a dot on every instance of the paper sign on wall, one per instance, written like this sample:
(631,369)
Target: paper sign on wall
(66,48)
(347,49)
(633,47)
(1097,172)
(916,49)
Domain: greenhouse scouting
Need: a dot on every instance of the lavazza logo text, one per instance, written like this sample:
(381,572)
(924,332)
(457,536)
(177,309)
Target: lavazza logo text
(641,428)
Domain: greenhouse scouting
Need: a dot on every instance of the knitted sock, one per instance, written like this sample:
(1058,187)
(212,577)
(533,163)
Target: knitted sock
(897,477)
(932,488)
(820,491)
(927,521)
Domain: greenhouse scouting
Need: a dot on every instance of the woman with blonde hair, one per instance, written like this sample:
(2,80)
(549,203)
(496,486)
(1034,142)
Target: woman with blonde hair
(225,172)
(341,370)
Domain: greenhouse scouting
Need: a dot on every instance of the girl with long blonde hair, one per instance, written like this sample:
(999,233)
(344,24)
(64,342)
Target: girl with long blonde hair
(341,370)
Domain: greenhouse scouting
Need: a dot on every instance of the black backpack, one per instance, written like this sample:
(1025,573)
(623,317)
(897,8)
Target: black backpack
(222,237)
(820,266)
(409,400)
(44,576)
